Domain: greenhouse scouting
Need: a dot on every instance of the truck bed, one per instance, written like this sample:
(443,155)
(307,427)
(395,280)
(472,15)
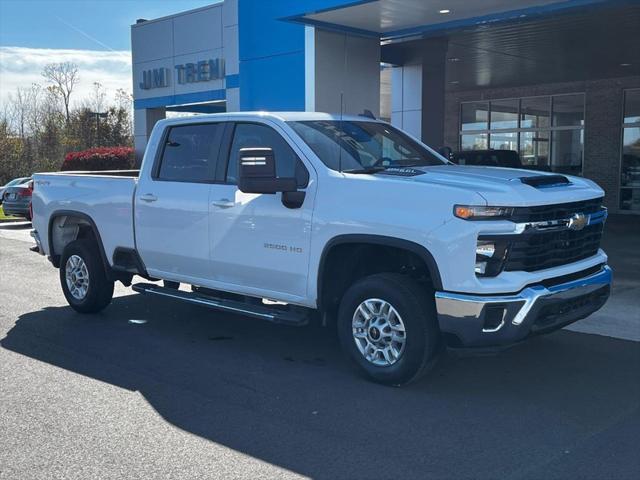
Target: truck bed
(105,197)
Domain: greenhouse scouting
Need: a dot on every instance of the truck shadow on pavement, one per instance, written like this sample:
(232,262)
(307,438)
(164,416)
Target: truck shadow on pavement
(287,396)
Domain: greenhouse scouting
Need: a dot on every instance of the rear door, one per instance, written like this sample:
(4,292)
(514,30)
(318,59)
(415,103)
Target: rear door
(172,203)
(260,247)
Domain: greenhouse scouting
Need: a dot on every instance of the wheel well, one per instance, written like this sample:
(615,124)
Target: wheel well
(64,229)
(345,263)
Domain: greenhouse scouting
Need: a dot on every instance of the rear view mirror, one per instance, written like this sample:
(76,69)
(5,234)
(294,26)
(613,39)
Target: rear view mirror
(257,172)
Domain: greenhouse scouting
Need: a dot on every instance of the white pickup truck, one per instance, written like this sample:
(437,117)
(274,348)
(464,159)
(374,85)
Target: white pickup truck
(292,216)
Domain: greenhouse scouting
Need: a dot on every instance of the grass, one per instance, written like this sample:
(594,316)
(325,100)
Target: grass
(5,217)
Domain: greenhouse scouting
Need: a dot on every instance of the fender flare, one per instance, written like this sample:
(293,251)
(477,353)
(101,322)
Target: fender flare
(55,258)
(400,243)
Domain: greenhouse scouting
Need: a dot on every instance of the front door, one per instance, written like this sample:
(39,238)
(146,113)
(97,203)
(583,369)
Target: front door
(172,204)
(260,247)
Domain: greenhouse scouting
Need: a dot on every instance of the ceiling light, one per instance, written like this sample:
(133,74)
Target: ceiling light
(454,82)
(625,64)
(443,11)
(453,59)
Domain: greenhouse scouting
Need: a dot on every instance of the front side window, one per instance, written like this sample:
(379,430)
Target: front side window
(190,153)
(354,145)
(253,135)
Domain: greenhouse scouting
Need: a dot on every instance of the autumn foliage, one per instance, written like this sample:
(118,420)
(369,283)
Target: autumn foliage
(100,158)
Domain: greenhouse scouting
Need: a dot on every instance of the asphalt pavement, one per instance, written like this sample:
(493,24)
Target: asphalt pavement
(151,388)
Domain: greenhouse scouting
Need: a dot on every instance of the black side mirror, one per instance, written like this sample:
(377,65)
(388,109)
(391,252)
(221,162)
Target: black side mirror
(257,172)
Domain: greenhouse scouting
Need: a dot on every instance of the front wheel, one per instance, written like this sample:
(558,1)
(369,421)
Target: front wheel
(387,324)
(83,277)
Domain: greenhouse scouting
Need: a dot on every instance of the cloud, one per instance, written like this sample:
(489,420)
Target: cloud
(21,66)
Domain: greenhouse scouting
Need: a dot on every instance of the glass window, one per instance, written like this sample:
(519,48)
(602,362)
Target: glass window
(474,142)
(504,114)
(353,145)
(568,110)
(630,199)
(534,149)
(566,151)
(503,141)
(475,116)
(534,112)
(632,106)
(631,157)
(190,153)
(253,135)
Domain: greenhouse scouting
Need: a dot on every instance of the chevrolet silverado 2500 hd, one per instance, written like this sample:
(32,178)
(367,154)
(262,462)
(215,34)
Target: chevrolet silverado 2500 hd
(283,215)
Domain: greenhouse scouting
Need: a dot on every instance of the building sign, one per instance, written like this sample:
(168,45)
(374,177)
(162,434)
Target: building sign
(202,71)
(156,78)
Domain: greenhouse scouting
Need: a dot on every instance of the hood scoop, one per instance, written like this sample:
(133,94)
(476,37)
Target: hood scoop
(402,171)
(546,181)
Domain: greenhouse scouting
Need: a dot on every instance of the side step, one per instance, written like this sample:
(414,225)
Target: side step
(256,311)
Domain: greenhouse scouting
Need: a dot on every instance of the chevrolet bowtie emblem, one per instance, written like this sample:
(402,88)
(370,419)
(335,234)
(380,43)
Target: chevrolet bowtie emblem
(578,221)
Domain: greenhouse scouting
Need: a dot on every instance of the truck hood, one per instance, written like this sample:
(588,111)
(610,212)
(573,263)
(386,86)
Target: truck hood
(503,186)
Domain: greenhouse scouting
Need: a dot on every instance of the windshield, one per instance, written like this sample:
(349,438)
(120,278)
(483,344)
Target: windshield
(353,145)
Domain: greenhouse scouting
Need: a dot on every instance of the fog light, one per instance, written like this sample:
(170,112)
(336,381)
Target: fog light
(489,257)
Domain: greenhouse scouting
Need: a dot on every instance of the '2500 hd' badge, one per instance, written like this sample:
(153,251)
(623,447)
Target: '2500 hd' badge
(282,247)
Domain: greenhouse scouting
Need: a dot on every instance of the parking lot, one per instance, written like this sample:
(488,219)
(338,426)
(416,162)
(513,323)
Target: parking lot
(152,388)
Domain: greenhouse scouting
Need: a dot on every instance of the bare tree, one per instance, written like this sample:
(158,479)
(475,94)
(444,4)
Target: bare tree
(64,77)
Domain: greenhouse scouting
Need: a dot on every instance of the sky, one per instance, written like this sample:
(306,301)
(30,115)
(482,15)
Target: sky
(94,34)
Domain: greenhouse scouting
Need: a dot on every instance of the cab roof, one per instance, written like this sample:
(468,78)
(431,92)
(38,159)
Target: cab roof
(278,116)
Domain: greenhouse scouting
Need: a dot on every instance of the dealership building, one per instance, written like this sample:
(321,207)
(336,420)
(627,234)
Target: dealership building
(556,81)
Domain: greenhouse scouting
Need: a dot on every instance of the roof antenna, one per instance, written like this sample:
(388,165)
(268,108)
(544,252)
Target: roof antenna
(340,135)
(344,73)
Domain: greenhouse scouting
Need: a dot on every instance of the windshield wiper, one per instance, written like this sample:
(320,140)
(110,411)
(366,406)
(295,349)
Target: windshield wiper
(365,170)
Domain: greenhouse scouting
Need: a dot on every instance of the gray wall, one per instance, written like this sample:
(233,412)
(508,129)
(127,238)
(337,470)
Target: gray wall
(338,63)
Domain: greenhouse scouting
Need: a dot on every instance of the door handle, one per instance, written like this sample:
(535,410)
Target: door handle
(223,203)
(148,197)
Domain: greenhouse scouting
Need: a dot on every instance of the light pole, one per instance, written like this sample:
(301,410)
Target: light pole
(98,116)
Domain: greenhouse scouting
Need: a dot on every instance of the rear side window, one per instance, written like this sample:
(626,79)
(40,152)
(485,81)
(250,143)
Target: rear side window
(253,135)
(190,153)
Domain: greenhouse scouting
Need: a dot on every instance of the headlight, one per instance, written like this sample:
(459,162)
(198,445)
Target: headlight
(470,212)
(490,257)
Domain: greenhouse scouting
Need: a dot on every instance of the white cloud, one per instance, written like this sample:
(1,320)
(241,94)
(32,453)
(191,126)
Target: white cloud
(20,67)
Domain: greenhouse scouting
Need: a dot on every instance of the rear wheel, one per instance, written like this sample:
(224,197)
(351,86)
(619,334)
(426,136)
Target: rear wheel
(83,277)
(387,324)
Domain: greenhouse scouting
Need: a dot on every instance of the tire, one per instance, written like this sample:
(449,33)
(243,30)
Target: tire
(98,289)
(414,353)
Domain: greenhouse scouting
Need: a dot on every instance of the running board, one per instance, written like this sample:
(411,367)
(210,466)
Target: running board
(256,311)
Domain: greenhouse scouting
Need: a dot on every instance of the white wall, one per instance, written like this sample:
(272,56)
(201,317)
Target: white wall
(336,63)
(406,99)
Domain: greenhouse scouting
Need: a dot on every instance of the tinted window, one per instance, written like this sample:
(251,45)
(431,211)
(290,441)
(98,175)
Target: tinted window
(252,135)
(190,153)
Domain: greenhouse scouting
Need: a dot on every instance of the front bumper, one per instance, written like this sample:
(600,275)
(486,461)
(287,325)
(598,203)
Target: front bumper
(497,320)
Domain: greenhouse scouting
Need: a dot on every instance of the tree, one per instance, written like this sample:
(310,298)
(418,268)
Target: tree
(64,77)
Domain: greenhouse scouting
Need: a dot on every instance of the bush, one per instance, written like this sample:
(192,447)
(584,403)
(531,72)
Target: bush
(101,158)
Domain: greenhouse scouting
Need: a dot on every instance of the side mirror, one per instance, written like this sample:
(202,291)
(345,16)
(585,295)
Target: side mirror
(257,172)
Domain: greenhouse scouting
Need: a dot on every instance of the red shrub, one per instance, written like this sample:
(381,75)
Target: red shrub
(100,158)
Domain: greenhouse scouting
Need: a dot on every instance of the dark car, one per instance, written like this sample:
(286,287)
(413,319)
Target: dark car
(489,158)
(15,181)
(16,200)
